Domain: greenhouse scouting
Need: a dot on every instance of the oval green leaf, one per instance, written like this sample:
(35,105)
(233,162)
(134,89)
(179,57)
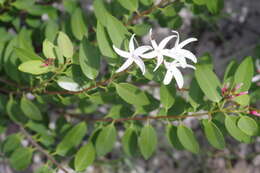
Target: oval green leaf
(72,139)
(167,95)
(30,109)
(208,82)
(34,67)
(78,24)
(213,134)
(130,5)
(89,59)
(65,45)
(234,131)
(48,49)
(129,142)
(84,157)
(171,134)
(21,158)
(147,141)
(131,94)
(187,139)
(248,125)
(106,140)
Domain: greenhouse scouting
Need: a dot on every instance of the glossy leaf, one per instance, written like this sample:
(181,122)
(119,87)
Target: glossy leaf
(78,25)
(116,30)
(208,82)
(234,131)
(167,95)
(147,141)
(30,109)
(89,59)
(65,45)
(72,139)
(48,49)
(244,74)
(171,134)
(35,67)
(131,94)
(131,5)
(21,158)
(213,134)
(84,157)
(103,42)
(26,55)
(106,140)
(130,142)
(248,125)
(187,139)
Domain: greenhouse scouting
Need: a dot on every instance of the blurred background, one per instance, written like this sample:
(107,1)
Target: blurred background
(233,34)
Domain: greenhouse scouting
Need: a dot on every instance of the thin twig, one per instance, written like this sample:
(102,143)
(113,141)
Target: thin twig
(40,149)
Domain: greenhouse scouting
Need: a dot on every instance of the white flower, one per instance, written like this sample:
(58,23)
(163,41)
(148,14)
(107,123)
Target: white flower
(159,50)
(257,77)
(178,51)
(132,56)
(173,71)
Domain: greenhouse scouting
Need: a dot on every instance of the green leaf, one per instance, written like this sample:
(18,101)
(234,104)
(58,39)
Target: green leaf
(131,94)
(84,157)
(171,134)
(30,109)
(72,139)
(26,55)
(129,142)
(208,82)
(14,112)
(147,2)
(116,30)
(78,25)
(65,45)
(130,5)
(230,70)
(187,139)
(106,140)
(100,11)
(234,131)
(195,94)
(213,134)
(147,141)
(34,67)
(21,158)
(70,5)
(11,143)
(243,100)
(103,42)
(248,125)
(51,30)
(214,6)
(48,49)
(141,29)
(44,169)
(89,59)
(244,74)
(167,95)
(199,2)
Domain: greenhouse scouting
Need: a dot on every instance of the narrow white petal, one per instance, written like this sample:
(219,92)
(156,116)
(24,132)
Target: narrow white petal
(178,37)
(140,64)
(173,53)
(131,44)
(190,66)
(187,54)
(187,41)
(256,78)
(154,44)
(168,77)
(121,52)
(178,76)
(126,64)
(164,42)
(167,64)
(159,61)
(149,55)
(151,34)
(142,49)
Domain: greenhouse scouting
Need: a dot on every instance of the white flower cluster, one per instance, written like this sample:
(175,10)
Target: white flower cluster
(159,51)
